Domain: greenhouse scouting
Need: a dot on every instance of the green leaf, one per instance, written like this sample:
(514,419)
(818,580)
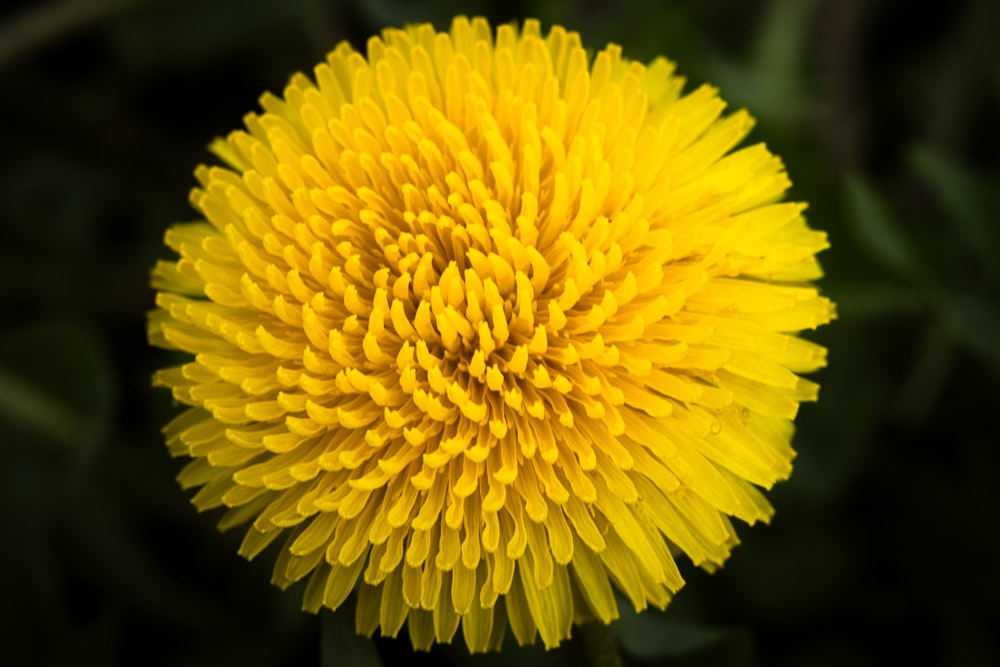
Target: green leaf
(967,199)
(926,377)
(770,82)
(877,231)
(341,646)
(871,300)
(781,43)
(975,324)
(44,24)
(650,635)
(33,408)
(55,380)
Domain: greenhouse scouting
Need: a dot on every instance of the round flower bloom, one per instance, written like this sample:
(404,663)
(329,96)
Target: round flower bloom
(486,328)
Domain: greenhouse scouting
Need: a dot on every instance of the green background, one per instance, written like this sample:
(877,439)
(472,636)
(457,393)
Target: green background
(885,545)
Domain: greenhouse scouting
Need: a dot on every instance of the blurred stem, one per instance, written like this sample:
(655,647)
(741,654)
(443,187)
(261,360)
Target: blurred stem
(600,645)
(841,45)
(40,25)
(340,645)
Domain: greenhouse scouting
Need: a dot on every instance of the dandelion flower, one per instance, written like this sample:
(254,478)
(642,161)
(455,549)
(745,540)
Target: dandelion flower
(485,328)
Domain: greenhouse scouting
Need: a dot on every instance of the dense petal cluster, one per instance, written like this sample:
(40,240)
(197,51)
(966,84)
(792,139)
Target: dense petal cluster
(485,328)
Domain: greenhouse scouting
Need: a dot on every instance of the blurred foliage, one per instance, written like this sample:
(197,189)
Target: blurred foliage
(884,547)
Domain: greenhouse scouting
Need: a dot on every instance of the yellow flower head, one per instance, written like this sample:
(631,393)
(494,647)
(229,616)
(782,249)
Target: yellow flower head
(485,328)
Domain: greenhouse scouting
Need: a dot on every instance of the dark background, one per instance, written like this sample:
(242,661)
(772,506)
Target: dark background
(885,546)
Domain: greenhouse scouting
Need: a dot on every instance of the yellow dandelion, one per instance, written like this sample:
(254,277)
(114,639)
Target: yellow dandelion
(486,328)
